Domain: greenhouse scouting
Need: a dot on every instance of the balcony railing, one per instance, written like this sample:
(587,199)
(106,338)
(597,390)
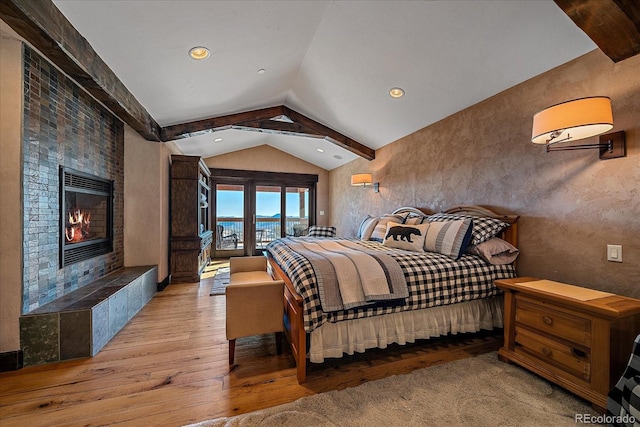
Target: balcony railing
(267,230)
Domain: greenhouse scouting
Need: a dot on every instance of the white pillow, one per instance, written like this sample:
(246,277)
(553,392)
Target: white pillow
(407,237)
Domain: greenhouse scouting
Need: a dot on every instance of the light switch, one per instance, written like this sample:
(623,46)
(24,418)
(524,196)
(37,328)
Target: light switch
(614,253)
(321,213)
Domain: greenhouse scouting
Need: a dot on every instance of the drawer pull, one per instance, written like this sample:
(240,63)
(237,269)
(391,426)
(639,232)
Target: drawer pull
(546,351)
(547,320)
(578,353)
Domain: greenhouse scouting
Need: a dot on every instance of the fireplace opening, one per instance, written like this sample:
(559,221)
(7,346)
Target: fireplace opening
(86,207)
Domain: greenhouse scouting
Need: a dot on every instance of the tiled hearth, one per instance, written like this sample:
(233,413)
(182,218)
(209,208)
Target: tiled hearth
(82,322)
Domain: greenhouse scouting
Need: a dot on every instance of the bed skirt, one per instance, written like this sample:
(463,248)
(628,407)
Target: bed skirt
(335,339)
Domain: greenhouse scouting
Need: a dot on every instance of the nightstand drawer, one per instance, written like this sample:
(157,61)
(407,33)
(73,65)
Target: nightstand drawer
(570,359)
(572,327)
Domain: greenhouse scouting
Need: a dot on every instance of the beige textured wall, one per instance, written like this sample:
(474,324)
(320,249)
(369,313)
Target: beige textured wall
(571,204)
(146,207)
(10,193)
(269,159)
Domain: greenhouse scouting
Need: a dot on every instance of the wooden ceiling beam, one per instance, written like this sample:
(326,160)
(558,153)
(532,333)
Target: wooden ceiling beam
(42,25)
(199,127)
(261,120)
(331,135)
(614,25)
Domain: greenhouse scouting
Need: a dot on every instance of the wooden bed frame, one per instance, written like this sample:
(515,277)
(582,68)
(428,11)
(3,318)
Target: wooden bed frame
(293,309)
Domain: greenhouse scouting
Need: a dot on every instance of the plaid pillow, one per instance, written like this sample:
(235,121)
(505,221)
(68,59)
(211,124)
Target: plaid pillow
(484,228)
(321,231)
(415,220)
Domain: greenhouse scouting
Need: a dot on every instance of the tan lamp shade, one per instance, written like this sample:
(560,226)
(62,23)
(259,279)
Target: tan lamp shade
(361,179)
(572,120)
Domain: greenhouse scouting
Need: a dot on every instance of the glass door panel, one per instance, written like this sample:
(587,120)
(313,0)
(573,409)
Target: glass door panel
(297,205)
(267,215)
(230,219)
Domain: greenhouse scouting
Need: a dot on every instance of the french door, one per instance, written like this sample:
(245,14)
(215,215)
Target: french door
(254,208)
(229,225)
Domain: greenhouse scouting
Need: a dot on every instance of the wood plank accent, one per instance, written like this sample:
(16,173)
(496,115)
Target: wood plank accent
(260,120)
(614,25)
(169,366)
(41,23)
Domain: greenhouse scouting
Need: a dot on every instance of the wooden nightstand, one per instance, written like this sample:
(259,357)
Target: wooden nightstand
(576,337)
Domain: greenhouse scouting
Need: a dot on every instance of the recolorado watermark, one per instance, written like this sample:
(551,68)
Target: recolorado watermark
(604,419)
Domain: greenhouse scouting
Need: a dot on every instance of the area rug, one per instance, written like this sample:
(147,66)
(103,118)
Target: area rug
(478,391)
(220,281)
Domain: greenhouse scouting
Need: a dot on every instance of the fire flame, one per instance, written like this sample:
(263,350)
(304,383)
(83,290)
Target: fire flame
(77,228)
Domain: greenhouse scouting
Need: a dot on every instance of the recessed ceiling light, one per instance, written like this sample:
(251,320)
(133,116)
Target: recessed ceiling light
(199,52)
(217,140)
(320,150)
(261,71)
(338,157)
(396,92)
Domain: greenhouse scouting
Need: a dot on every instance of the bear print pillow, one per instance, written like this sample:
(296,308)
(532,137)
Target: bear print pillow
(405,236)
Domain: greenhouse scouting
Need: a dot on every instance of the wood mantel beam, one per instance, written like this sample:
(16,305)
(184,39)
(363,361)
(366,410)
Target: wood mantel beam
(614,25)
(41,24)
(260,120)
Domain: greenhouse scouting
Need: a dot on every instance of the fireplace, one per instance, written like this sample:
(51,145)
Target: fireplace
(86,208)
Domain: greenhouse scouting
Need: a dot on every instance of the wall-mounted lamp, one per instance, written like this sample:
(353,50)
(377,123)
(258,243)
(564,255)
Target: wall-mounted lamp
(579,119)
(364,179)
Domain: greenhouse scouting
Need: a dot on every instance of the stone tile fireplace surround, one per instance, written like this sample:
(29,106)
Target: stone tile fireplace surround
(62,126)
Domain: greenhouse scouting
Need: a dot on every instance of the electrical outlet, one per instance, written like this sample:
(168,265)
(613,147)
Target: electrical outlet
(614,253)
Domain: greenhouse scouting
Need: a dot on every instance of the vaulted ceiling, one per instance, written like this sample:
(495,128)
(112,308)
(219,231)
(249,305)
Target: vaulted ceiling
(331,62)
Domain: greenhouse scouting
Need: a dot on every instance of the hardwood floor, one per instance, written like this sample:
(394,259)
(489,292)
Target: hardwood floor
(169,366)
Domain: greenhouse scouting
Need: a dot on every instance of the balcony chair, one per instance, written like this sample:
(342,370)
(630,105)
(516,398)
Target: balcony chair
(225,242)
(298,230)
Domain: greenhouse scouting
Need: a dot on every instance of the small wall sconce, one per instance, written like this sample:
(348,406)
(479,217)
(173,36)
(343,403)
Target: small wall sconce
(364,179)
(579,119)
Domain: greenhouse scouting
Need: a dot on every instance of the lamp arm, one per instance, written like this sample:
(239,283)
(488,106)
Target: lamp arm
(608,145)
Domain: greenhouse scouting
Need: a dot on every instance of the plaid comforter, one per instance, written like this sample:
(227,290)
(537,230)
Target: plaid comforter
(433,280)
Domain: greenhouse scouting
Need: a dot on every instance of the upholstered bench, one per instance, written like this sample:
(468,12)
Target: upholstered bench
(254,302)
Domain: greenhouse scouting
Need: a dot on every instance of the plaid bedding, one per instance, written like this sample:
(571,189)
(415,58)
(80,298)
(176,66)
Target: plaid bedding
(433,280)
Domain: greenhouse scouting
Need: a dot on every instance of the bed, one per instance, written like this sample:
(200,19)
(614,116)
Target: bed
(442,296)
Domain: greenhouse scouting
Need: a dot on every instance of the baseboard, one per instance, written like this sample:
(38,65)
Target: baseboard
(11,360)
(164,283)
